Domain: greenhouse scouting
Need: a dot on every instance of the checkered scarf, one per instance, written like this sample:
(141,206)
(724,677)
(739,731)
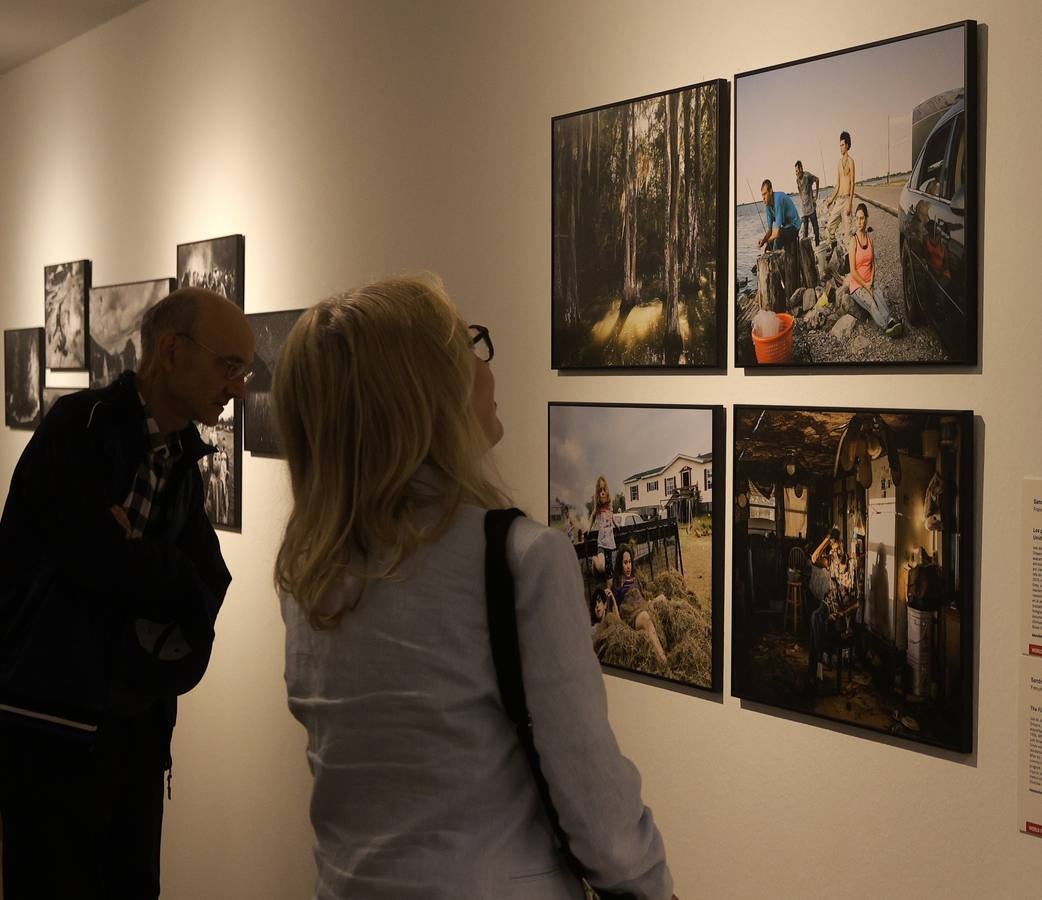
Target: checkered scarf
(152,474)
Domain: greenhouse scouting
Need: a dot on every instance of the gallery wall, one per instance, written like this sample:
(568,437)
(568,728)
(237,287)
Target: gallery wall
(348,140)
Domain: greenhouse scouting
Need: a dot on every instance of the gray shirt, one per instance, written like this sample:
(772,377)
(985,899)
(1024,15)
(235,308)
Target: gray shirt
(806,192)
(421,789)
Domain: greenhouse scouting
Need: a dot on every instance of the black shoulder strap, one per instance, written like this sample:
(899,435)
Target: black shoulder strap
(502,614)
(506,654)
(500,601)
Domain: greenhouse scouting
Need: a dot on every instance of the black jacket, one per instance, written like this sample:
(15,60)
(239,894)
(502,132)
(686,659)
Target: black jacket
(75,590)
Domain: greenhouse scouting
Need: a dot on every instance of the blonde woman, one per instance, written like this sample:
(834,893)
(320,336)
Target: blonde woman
(386,406)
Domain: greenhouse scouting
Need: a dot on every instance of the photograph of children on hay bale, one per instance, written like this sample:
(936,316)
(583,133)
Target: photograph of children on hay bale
(852,586)
(639,194)
(632,487)
(856,215)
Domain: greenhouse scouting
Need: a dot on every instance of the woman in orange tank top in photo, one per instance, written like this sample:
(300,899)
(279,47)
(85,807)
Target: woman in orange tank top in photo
(863,289)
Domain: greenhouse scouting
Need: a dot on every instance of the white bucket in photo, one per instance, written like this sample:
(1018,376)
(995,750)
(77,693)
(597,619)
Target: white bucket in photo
(920,635)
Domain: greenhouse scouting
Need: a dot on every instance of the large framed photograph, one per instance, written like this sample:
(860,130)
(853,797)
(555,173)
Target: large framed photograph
(271,330)
(856,206)
(23,377)
(852,567)
(632,487)
(116,311)
(217,264)
(639,194)
(65,288)
(222,470)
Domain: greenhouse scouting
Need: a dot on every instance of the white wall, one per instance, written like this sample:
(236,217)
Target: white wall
(348,140)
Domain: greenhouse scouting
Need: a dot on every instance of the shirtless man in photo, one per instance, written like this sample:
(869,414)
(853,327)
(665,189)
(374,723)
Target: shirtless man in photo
(846,178)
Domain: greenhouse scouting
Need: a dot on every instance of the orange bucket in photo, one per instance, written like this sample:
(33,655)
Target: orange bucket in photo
(777,349)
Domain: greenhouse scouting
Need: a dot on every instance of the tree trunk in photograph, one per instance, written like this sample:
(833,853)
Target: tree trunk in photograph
(769,291)
(560,234)
(808,265)
(629,214)
(697,213)
(671,312)
(692,156)
(574,181)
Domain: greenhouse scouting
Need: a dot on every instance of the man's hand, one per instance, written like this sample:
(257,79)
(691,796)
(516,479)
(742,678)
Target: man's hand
(120,515)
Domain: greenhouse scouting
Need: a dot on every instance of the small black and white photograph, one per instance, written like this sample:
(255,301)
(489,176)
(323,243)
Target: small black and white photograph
(23,377)
(52,394)
(116,311)
(271,330)
(222,481)
(65,288)
(216,264)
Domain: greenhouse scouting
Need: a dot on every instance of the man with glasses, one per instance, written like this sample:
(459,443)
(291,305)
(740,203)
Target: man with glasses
(113,578)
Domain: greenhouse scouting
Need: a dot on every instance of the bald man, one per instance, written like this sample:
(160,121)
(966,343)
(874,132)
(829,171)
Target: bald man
(112,580)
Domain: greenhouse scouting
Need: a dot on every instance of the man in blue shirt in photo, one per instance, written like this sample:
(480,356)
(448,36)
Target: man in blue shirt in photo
(783,231)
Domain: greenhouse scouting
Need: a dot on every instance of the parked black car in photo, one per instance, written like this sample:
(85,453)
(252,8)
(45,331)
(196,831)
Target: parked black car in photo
(932,221)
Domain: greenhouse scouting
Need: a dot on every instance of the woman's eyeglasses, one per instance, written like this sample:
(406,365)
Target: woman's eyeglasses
(481,343)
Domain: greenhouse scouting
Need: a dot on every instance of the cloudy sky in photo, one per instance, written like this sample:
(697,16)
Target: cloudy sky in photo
(616,442)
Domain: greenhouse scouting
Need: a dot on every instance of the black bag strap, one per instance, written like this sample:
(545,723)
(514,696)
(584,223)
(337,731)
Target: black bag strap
(500,601)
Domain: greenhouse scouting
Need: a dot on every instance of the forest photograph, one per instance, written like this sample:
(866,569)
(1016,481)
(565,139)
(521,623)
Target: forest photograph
(639,235)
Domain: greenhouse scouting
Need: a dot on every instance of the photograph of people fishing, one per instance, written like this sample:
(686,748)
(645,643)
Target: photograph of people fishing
(855,206)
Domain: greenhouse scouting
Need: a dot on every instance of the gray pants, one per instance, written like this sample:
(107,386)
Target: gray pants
(874,303)
(838,216)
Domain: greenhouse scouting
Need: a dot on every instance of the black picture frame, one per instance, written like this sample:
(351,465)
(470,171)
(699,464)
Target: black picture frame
(66,287)
(116,311)
(649,448)
(270,330)
(610,294)
(218,264)
(893,627)
(222,471)
(23,377)
(914,145)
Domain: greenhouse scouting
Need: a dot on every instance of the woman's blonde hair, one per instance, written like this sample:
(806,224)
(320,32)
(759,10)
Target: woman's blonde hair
(371,385)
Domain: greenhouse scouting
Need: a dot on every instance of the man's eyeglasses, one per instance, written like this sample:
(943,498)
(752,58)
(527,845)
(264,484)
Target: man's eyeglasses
(234,369)
(481,343)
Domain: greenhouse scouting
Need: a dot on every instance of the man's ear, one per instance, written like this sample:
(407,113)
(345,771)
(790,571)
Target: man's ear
(166,350)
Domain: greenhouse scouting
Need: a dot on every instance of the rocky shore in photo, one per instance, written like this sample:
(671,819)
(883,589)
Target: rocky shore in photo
(841,332)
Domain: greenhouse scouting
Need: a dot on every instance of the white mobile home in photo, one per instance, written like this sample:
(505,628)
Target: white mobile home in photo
(680,489)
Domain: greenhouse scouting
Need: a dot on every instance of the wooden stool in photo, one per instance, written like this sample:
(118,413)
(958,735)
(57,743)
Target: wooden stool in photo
(794,589)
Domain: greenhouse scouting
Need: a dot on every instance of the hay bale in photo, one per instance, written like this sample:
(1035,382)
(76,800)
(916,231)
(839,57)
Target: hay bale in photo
(683,627)
(619,645)
(671,583)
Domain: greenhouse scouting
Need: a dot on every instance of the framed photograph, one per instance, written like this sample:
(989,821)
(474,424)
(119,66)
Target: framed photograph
(51,394)
(632,487)
(852,571)
(270,330)
(217,264)
(65,288)
(639,196)
(116,311)
(23,377)
(856,206)
(222,471)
